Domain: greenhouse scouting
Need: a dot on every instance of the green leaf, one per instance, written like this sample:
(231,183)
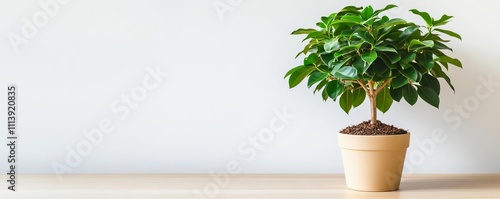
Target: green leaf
(353,18)
(384,100)
(449,32)
(324,95)
(399,81)
(332,45)
(346,72)
(385,49)
(311,59)
(327,58)
(293,70)
(438,45)
(345,51)
(367,12)
(360,65)
(351,9)
(369,22)
(445,64)
(369,57)
(327,20)
(320,85)
(409,57)
(382,74)
(416,44)
(410,73)
(334,88)
(321,25)
(315,77)
(359,96)
(388,7)
(315,34)
(407,33)
(337,65)
(426,60)
(386,61)
(312,44)
(419,75)
(392,22)
(365,36)
(381,21)
(405,66)
(429,96)
(393,57)
(450,60)
(396,94)
(410,94)
(299,75)
(430,82)
(302,31)
(349,20)
(344,22)
(444,20)
(346,101)
(438,72)
(435,37)
(343,30)
(427,18)
(385,34)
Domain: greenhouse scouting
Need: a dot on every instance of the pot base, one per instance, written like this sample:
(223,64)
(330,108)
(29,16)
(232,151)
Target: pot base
(372,191)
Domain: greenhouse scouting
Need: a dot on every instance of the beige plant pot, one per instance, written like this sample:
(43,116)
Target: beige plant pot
(373,163)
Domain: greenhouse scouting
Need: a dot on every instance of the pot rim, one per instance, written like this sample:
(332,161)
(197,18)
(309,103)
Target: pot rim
(376,142)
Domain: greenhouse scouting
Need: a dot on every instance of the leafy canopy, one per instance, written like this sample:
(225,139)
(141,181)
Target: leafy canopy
(357,50)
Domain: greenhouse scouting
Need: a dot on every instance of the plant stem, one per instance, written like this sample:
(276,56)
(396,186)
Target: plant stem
(372,95)
(379,88)
(373,101)
(363,85)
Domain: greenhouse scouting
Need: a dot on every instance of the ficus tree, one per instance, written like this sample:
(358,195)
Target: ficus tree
(358,53)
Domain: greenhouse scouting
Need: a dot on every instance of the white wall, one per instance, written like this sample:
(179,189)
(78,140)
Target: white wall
(224,85)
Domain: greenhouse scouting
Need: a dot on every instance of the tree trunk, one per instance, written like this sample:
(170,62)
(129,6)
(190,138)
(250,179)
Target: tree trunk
(373,108)
(372,94)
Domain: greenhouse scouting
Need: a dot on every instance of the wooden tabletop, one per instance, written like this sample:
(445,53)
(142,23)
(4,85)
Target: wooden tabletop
(244,186)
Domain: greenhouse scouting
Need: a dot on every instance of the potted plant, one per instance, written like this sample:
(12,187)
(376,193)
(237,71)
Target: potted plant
(358,53)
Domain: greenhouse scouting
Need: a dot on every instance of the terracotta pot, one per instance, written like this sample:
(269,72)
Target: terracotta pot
(373,163)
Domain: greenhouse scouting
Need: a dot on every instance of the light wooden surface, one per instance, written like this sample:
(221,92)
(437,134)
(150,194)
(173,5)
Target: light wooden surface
(245,186)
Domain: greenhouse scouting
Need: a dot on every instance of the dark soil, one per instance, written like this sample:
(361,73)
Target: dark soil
(379,128)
